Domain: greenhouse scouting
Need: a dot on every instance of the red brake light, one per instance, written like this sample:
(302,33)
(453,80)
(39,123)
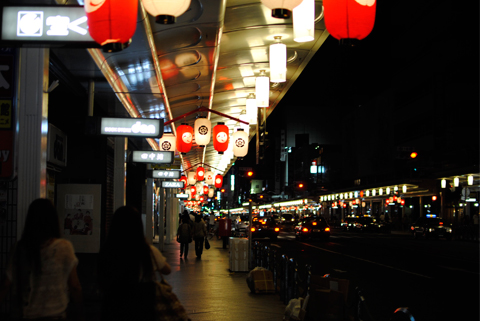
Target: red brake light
(327,229)
(277,229)
(305,229)
(314,223)
(441,223)
(252,229)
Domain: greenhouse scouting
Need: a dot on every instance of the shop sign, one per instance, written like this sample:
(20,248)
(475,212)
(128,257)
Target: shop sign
(173,184)
(46,24)
(138,127)
(181,196)
(7,113)
(152,157)
(165,174)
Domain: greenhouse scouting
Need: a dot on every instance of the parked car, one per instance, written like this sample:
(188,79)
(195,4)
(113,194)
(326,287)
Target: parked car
(431,226)
(265,228)
(360,224)
(312,228)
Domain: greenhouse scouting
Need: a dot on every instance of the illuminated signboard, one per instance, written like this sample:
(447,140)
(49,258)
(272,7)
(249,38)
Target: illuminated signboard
(173,184)
(141,127)
(181,196)
(46,24)
(152,157)
(166,174)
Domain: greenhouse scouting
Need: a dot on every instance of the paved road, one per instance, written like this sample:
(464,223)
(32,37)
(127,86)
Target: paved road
(436,279)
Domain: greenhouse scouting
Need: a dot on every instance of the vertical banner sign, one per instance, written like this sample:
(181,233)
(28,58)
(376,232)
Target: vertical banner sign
(7,119)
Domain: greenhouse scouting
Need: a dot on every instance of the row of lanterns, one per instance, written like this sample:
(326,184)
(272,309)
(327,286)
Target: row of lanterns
(203,133)
(200,175)
(113,23)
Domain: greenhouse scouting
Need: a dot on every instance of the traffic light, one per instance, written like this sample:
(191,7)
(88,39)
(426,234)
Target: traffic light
(413,155)
(249,174)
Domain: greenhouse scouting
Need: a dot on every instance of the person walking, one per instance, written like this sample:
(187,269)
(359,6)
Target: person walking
(125,261)
(184,237)
(199,234)
(43,269)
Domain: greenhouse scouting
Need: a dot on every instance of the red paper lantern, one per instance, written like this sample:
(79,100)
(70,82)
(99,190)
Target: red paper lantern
(184,138)
(193,190)
(349,19)
(218,181)
(220,137)
(200,173)
(184,179)
(111,23)
(205,189)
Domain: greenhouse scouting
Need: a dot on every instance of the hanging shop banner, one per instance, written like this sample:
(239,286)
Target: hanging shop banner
(138,127)
(165,174)
(173,184)
(152,157)
(7,113)
(65,25)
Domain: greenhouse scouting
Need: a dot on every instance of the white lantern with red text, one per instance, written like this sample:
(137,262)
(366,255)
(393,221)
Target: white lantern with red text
(202,131)
(218,181)
(209,178)
(200,173)
(167,143)
(240,143)
(220,137)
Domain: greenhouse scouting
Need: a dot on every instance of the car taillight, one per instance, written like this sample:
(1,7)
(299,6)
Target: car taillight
(412,228)
(252,229)
(441,223)
(277,229)
(327,229)
(314,223)
(263,222)
(305,229)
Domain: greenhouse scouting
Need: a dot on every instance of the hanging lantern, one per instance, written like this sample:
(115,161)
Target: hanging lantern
(111,23)
(278,60)
(193,190)
(251,109)
(202,199)
(262,89)
(346,20)
(184,138)
(220,137)
(184,179)
(209,178)
(211,192)
(240,143)
(166,11)
(218,181)
(281,8)
(197,197)
(200,173)
(192,178)
(202,131)
(199,188)
(167,143)
(205,189)
(304,21)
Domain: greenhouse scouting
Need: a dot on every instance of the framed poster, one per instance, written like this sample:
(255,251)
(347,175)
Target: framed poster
(79,209)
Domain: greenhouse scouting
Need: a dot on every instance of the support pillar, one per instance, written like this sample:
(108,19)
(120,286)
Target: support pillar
(149,208)
(32,129)
(119,172)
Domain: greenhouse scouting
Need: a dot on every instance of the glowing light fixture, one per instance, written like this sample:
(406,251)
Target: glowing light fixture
(200,173)
(166,11)
(240,143)
(221,137)
(404,188)
(251,109)
(278,60)
(470,180)
(184,138)
(456,181)
(304,21)
(191,178)
(281,8)
(209,178)
(218,181)
(168,143)
(262,89)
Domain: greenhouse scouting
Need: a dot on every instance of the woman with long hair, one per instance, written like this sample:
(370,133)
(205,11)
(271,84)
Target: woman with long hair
(125,261)
(42,269)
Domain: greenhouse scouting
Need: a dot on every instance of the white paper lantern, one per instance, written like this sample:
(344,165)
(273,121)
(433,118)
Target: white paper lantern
(262,89)
(168,143)
(202,131)
(192,178)
(240,143)
(211,192)
(278,61)
(304,21)
(209,178)
(165,11)
(281,8)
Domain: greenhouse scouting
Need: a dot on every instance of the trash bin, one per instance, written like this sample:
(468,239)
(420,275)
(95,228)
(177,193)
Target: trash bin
(225,230)
(238,254)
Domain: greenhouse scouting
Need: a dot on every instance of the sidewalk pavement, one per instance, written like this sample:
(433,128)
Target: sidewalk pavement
(210,291)
(206,287)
